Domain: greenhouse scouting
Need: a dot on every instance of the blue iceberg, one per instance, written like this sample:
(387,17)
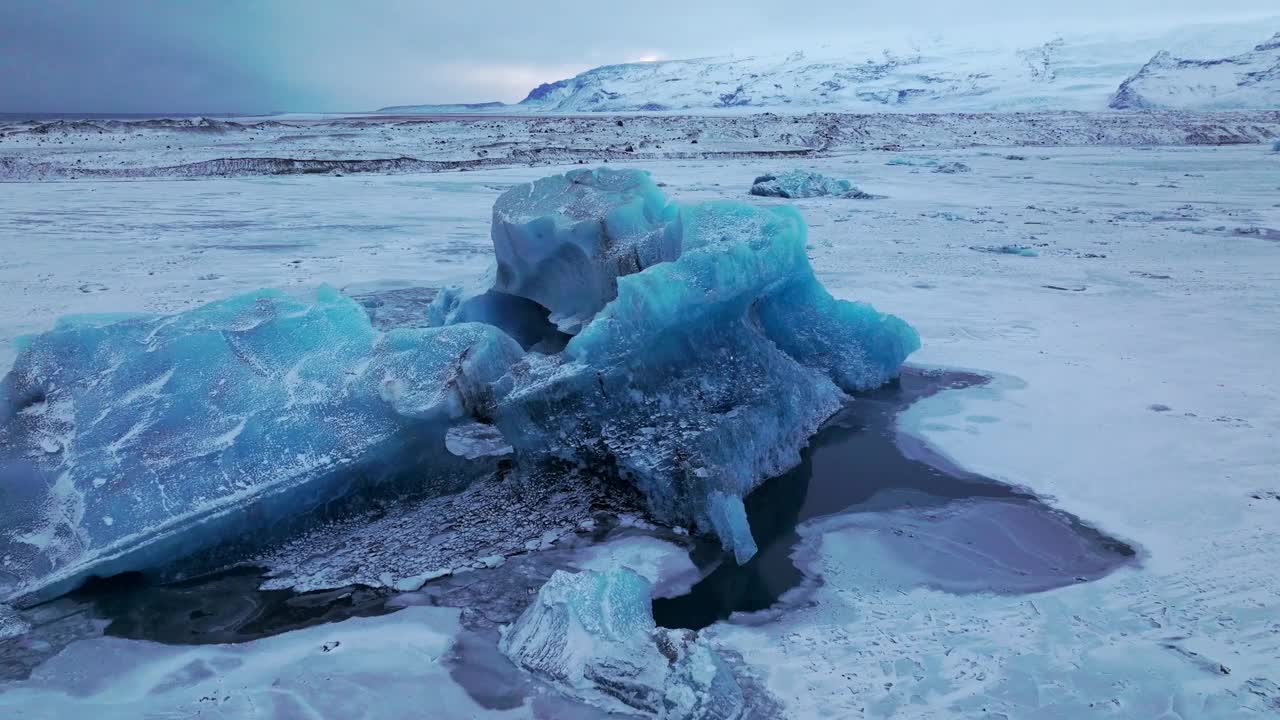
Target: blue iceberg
(805,184)
(593,635)
(126,443)
(687,350)
(706,375)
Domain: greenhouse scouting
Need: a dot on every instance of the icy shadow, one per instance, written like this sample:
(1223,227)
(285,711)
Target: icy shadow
(936,525)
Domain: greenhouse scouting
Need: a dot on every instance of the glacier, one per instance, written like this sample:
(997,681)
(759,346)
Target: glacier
(805,184)
(1248,80)
(126,443)
(592,633)
(688,350)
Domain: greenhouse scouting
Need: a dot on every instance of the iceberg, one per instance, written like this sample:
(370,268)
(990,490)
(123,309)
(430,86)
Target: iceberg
(688,350)
(805,184)
(128,443)
(563,241)
(706,375)
(592,634)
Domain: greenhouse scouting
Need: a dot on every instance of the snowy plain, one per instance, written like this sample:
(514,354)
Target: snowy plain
(1132,386)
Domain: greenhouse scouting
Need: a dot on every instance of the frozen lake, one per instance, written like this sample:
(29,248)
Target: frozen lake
(1132,387)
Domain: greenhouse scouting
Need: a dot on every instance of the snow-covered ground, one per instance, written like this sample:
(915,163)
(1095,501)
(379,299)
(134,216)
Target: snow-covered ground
(1134,386)
(1003,72)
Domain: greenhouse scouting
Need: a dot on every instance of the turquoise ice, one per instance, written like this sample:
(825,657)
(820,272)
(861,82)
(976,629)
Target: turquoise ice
(706,375)
(687,350)
(125,443)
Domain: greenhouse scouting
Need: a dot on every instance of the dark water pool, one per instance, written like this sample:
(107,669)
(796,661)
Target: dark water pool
(967,533)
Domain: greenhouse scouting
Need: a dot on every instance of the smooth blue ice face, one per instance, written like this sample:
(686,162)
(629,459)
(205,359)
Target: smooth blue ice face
(804,184)
(125,444)
(706,375)
(1275,146)
(563,241)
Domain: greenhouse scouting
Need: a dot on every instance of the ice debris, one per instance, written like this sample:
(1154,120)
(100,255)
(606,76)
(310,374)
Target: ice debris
(10,624)
(1022,250)
(805,184)
(913,161)
(688,350)
(592,633)
(951,168)
(127,443)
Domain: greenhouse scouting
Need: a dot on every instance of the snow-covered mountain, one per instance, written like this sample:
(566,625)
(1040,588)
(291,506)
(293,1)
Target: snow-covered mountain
(1248,80)
(1082,72)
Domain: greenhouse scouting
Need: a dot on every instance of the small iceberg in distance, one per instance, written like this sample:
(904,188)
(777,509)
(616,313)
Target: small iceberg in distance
(806,184)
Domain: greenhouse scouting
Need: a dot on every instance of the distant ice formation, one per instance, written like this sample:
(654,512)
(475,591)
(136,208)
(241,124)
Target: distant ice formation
(592,633)
(805,184)
(688,350)
(1004,73)
(1245,81)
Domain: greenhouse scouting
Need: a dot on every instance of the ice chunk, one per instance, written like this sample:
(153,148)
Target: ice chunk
(476,440)
(706,374)
(1275,146)
(10,624)
(1022,250)
(523,319)
(563,241)
(593,634)
(913,161)
(951,168)
(804,184)
(125,444)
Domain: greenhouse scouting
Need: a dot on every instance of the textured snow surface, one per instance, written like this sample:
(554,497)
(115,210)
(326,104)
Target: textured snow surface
(127,443)
(389,667)
(367,146)
(593,634)
(1247,80)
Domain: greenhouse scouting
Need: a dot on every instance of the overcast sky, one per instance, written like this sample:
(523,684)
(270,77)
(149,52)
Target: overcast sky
(250,56)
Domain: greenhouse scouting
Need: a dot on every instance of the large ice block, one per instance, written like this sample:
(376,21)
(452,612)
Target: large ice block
(707,374)
(125,444)
(592,633)
(563,241)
